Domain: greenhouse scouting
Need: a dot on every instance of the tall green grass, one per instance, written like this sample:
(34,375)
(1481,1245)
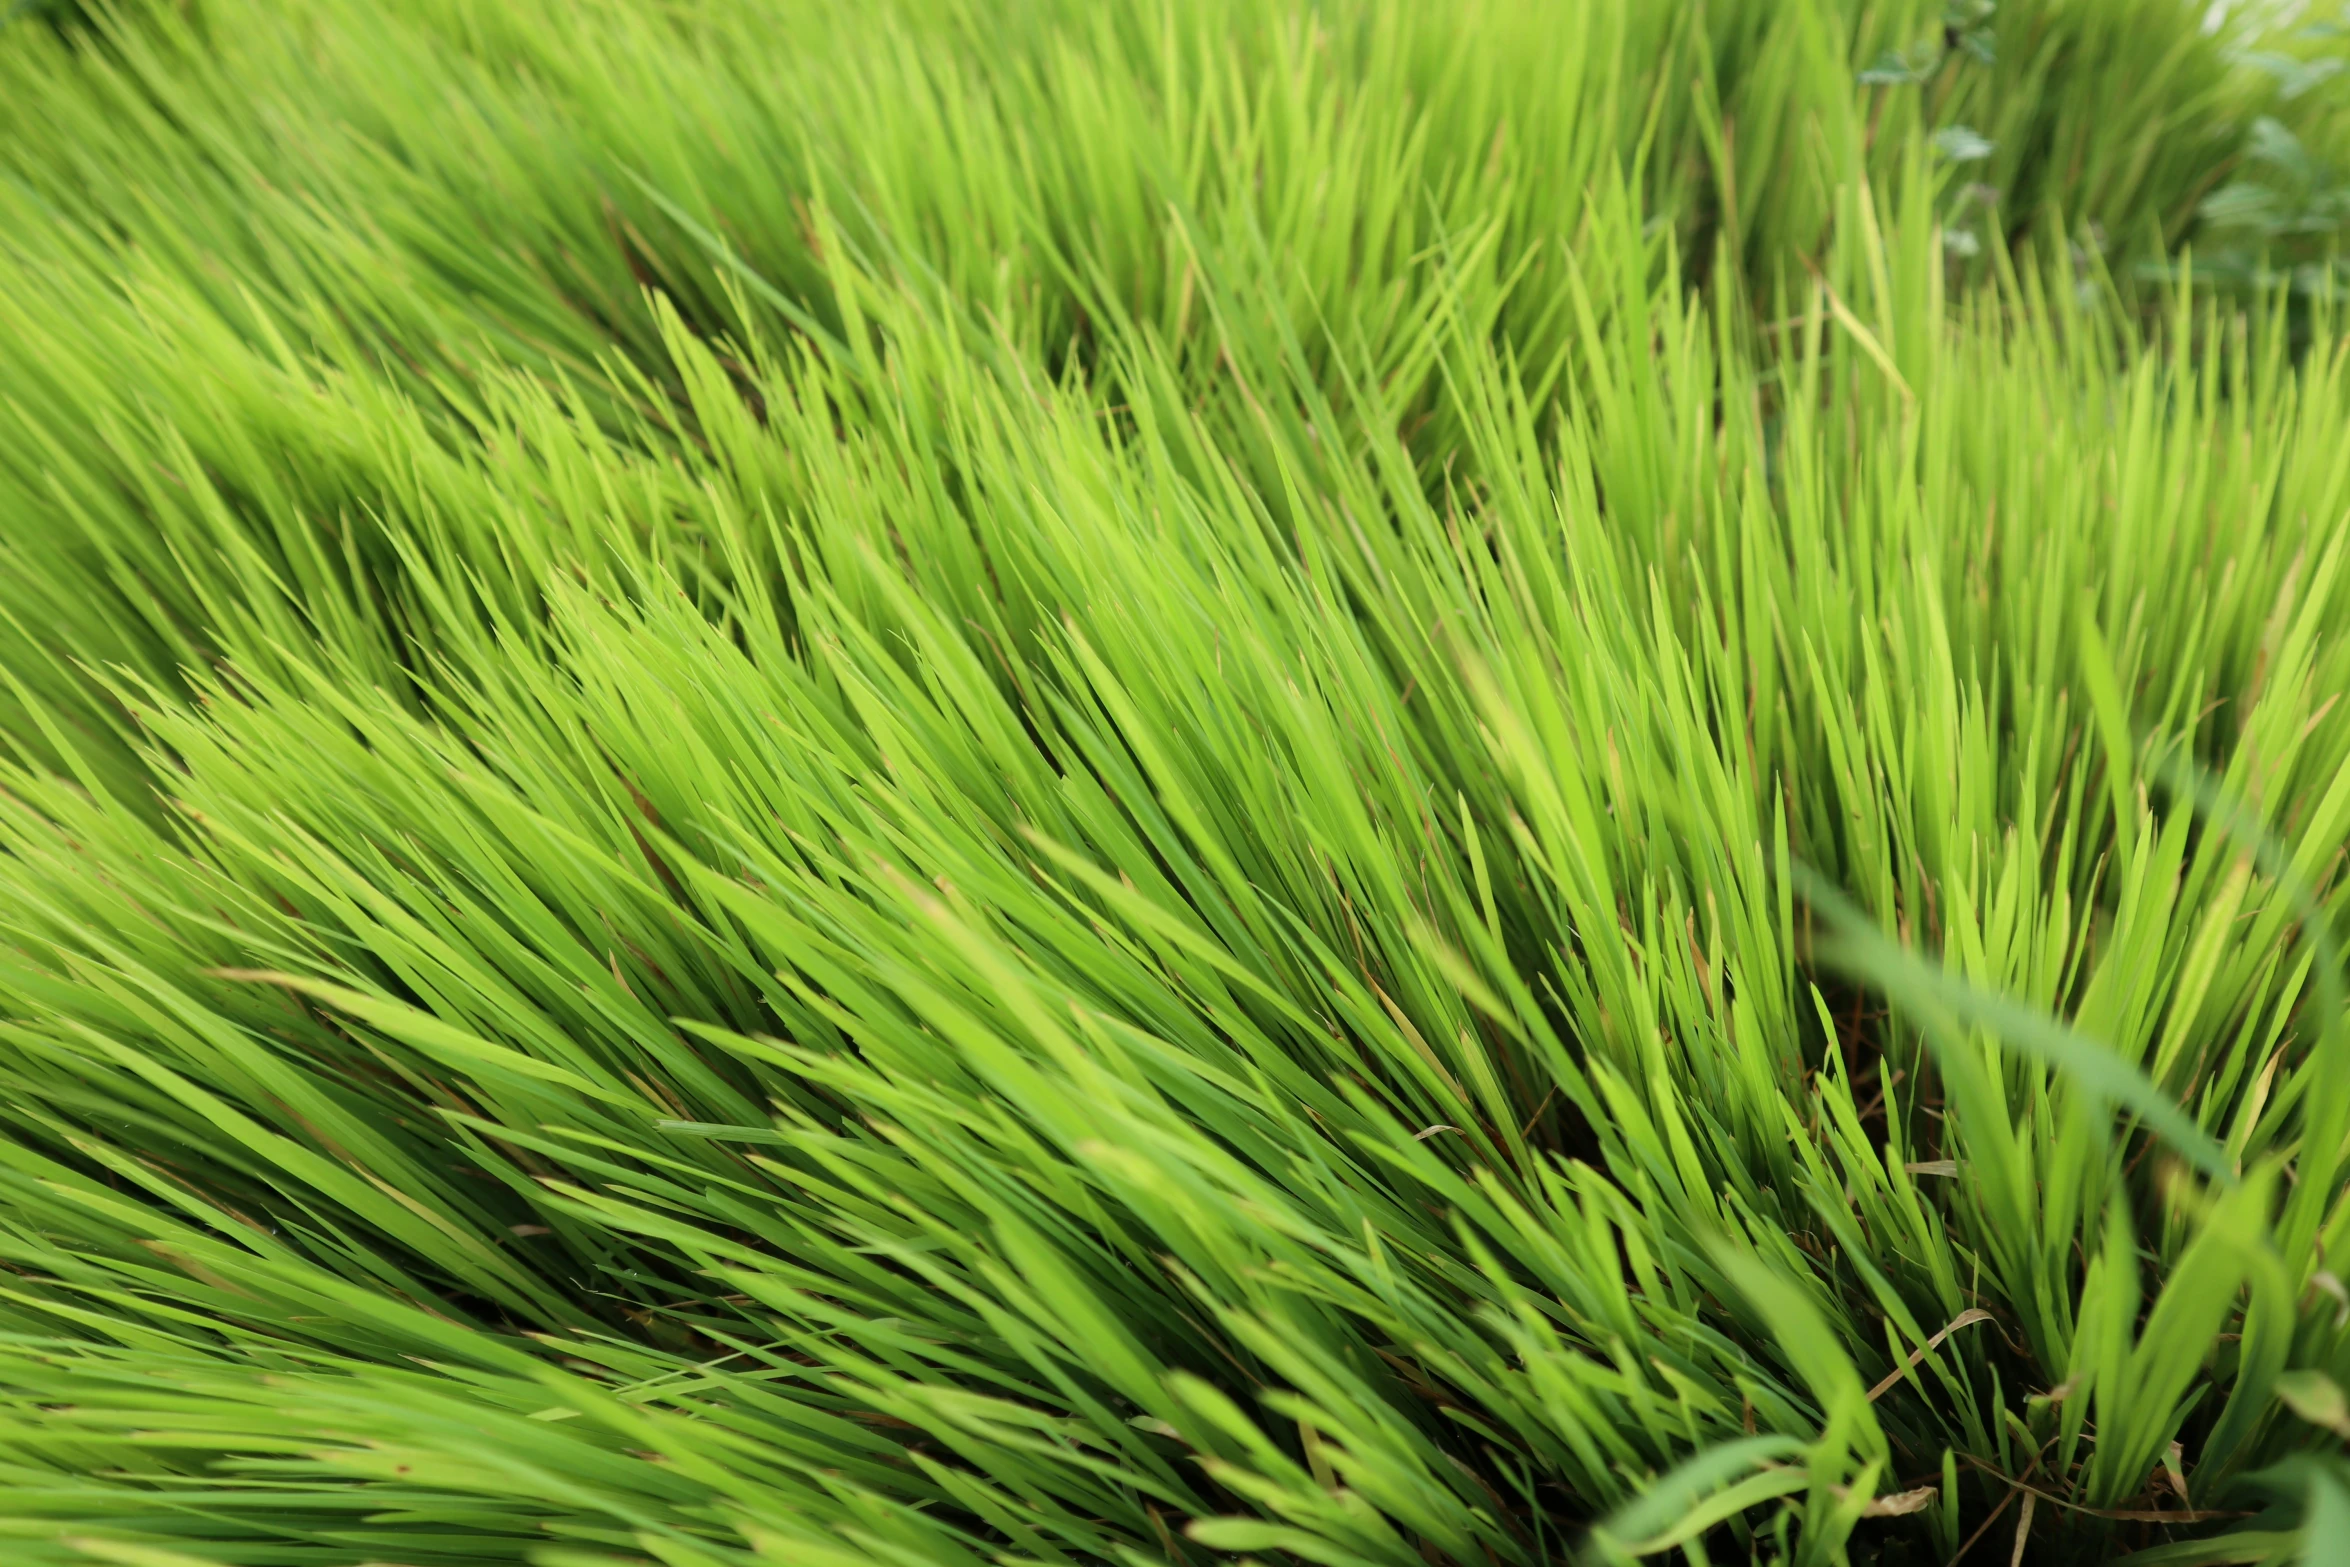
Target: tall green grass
(913,784)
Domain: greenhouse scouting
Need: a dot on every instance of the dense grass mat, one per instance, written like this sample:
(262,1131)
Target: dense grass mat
(913,784)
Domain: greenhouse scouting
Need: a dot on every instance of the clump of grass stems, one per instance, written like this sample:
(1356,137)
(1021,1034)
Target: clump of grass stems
(913,785)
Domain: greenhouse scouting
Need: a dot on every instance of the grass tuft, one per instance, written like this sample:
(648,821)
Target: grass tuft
(913,784)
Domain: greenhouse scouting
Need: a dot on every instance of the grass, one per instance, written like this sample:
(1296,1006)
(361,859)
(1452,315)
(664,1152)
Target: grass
(911,784)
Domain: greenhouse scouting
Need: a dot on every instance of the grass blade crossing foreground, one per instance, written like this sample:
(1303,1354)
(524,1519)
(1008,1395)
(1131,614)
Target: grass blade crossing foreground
(912,785)
(1860,951)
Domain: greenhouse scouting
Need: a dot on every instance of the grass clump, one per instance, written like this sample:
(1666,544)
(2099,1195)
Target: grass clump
(908,786)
